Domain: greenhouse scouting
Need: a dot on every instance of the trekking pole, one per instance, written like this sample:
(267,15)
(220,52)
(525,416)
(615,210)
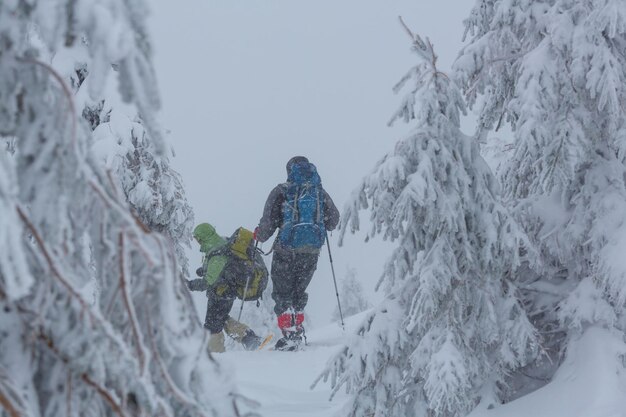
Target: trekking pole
(332,268)
(245,292)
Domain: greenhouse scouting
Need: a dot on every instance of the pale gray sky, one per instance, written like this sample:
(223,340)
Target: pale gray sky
(248,84)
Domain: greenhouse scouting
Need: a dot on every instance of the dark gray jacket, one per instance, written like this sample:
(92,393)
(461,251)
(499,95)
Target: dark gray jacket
(273,213)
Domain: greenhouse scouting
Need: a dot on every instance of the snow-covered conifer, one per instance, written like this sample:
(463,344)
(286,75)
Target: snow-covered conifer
(151,186)
(451,325)
(353,301)
(95,319)
(556,70)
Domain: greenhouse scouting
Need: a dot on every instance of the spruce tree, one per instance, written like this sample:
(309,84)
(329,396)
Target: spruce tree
(150,185)
(451,325)
(95,320)
(353,301)
(556,71)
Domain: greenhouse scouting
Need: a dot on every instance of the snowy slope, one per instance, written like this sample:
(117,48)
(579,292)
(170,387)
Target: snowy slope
(281,381)
(590,383)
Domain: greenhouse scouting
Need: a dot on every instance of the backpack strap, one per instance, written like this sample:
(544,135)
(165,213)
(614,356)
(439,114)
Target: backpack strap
(319,205)
(296,215)
(223,250)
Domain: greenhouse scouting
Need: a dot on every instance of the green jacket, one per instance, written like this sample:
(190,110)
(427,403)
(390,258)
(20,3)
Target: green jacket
(210,241)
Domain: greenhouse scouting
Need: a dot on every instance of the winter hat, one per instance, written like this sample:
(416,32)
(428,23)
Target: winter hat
(295,160)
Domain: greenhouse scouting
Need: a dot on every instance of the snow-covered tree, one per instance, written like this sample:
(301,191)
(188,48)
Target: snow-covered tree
(556,71)
(353,301)
(94,318)
(451,326)
(154,190)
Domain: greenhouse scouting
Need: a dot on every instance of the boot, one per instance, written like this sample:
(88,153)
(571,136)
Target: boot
(216,342)
(235,329)
(289,342)
(290,324)
(251,341)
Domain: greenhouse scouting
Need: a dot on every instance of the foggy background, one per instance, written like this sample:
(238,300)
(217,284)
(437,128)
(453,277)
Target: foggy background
(246,85)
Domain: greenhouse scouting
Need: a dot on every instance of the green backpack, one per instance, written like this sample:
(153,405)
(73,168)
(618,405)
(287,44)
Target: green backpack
(245,265)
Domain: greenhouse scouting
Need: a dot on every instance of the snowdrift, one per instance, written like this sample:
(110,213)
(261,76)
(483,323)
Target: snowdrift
(591,382)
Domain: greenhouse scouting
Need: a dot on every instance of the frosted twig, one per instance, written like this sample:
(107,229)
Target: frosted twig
(500,120)
(112,182)
(8,406)
(117,408)
(68,398)
(64,87)
(187,293)
(425,46)
(535,377)
(55,271)
(115,205)
(8,393)
(194,317)
(506,58)
(473,82)
(132,317)
(141,250)
(408,31)
(249,402)
(162,368)
(238,413)
(130,218)
(112,301)
(95,319)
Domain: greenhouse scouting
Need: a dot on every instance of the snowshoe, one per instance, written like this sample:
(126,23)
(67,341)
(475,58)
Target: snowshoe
(265,341)
(287,344)
(291,340)
(253,342)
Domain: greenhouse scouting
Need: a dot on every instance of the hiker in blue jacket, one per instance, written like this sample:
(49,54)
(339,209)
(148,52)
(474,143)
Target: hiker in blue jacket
(302,211)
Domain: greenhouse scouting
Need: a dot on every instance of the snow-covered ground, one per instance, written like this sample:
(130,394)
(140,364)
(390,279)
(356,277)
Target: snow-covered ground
(281,381)
(590,383)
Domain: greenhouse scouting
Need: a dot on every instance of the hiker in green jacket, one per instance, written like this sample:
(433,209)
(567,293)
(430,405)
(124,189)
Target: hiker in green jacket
(226,268)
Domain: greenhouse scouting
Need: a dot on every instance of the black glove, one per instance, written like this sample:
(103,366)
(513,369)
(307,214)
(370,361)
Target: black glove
(197,284)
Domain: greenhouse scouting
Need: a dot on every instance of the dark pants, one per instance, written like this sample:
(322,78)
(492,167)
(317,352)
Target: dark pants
(220,300)
(222,294)
(291,274)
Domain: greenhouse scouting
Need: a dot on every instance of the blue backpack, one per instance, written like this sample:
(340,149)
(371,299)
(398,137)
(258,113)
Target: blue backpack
(303,229)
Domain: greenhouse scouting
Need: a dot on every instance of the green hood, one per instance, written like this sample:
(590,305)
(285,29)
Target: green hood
(208,238)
